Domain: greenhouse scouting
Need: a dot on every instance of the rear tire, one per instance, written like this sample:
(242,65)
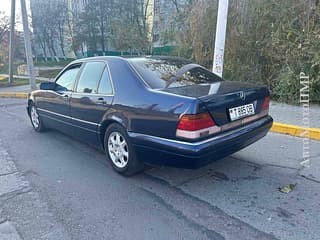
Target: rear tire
(120,152)
(36,120)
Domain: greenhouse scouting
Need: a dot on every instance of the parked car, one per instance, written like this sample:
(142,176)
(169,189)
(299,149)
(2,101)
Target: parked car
(151,110)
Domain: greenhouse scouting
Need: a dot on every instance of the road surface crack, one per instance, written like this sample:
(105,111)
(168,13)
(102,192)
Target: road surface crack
(309,179)
(200,212)
(6,174)
(10,195)
(209,233)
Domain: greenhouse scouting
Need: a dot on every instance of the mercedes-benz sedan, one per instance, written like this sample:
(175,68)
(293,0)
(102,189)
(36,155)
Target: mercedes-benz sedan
(154,110)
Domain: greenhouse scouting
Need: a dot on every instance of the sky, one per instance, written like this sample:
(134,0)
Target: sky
(5,6)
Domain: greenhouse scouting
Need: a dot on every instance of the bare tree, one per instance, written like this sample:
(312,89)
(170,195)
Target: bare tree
(4,26)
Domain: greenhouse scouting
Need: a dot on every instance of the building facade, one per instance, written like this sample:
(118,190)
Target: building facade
(57,22)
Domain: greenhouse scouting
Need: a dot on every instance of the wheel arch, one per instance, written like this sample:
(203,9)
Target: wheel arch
(30,101)
(104,125)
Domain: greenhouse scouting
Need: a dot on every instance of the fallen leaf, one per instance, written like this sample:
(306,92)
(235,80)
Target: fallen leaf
(288,188)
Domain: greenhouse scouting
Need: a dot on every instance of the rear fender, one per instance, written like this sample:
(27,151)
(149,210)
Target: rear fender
(108,120)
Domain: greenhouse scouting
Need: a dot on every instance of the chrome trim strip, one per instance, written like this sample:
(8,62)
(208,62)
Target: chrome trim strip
(94,94)
(58,114)
(200,142)
(244,120)
(68,117)
(69,123)
(84,121)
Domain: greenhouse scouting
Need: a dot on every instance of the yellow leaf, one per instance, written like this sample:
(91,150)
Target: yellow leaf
(288,188)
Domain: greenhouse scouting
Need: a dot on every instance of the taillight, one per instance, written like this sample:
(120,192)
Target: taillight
(266,102)
(190,122)
(196,125)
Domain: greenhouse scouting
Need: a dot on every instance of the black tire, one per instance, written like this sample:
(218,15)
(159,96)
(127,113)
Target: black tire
(37,127)
(115,151)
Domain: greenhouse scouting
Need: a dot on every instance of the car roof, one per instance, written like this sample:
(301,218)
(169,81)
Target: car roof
(125,58)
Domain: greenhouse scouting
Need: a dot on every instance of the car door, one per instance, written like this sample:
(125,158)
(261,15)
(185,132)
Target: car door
(54,105)
(91,99)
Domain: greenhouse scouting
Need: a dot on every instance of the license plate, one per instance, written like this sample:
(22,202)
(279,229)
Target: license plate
(241,111)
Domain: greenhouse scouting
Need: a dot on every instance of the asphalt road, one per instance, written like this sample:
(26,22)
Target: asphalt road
(234,198)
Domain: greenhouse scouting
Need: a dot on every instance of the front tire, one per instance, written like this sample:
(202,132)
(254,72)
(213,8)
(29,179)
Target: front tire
(36,120)
(120,152)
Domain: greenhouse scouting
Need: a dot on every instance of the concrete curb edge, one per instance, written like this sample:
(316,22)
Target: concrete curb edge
(14,94)
(297,131)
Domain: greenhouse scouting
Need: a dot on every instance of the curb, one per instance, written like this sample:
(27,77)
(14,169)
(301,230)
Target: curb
(297,131)
(14,94)
(293,130)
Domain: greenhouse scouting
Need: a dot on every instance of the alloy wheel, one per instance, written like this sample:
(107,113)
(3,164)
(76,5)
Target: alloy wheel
(118,149)
(34,117)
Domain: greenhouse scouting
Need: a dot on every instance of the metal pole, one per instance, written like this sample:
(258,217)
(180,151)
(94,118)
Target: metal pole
(27,44)
(11,43)
(217,67)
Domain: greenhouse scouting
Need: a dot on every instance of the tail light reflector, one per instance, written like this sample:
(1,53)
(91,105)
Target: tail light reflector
(266,102)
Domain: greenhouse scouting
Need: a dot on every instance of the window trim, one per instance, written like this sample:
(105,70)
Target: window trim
(110,77)
(68,68)
(82,64)
(111,82)
(78,77)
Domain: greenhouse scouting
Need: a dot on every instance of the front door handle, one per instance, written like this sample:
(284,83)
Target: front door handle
(101,101)
(65,97)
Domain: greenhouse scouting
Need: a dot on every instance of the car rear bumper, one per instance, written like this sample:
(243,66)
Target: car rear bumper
(161,151)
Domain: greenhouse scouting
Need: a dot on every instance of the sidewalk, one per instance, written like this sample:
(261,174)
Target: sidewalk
(290,114)
(20,88)
(26,77)
(17,89)
(22,213)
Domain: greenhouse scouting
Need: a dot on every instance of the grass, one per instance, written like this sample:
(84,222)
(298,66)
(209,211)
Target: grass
(16,82)
(42,73)
(4,68)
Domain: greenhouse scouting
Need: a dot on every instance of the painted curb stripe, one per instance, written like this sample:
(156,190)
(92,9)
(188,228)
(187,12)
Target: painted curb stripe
(293,130)
(14,94)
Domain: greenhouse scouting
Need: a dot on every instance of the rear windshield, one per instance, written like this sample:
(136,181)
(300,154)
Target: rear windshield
(158,73)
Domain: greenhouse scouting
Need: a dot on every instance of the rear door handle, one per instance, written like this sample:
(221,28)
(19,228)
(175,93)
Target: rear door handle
(101,101)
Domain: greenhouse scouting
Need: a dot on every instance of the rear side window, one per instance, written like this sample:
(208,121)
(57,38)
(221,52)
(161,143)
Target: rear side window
(105,86)
(158,72)
(90,77)
(66,80)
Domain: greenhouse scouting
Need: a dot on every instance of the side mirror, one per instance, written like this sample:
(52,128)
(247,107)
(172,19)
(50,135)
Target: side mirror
(47,85)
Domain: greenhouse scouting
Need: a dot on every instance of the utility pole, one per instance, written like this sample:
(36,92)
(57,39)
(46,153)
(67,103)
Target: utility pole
(220,37)
(27,44)
(11,43)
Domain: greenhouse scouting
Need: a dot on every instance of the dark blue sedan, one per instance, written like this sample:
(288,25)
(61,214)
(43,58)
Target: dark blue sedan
(154,110)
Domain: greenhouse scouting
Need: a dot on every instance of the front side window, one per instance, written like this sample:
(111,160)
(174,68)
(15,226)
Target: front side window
(105,86)
(66,81)
(90,77)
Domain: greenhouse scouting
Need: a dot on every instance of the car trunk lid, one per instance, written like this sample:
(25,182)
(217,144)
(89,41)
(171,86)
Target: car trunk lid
(220,96)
